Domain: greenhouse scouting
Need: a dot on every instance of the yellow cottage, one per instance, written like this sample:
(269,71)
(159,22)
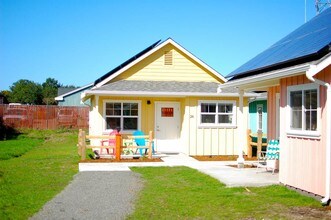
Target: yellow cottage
(167,90)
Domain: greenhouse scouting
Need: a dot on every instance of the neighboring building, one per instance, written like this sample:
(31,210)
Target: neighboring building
(258,114)
(296,73)
(72,97)
(167,90)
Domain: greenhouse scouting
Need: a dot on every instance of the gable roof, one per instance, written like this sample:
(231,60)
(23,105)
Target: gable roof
(147,52)
(307,43)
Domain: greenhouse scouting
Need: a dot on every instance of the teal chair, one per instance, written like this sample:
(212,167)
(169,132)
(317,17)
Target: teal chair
(141,142)
(269,159)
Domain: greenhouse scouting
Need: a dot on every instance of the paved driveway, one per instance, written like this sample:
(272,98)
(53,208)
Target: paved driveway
(94,195)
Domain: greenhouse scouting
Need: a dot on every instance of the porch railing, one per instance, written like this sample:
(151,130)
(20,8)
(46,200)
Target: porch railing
(82,143)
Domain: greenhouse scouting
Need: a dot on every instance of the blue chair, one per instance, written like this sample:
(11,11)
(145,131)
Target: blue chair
(140,141)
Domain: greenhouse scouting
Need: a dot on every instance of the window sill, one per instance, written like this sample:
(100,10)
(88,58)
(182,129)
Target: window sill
(302,134)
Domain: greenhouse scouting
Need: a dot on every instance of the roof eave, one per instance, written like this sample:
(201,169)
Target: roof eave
(163,94)
(267,76)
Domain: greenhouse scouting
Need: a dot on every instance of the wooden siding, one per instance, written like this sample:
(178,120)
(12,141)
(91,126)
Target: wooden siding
(272,112)
(302,160)
(182,69)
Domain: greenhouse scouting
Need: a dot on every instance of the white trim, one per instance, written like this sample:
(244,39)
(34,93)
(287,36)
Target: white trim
(61,97)
(216,124)
(104,128)
(163,94)
(168,41)
(301,132)
(277,115)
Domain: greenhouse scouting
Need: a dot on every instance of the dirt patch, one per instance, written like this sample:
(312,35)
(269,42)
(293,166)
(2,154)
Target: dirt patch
(222,158)
(103,160)
(308,213)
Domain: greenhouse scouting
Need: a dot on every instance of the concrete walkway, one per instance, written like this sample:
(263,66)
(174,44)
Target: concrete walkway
(230,176)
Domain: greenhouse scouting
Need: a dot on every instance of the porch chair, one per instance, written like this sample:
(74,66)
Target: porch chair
(140,141)
(269,159)
(110,142)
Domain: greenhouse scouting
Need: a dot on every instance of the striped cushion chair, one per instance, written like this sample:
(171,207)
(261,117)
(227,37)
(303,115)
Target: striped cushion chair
(269,159)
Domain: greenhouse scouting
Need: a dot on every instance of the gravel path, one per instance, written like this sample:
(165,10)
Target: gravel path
(94,195)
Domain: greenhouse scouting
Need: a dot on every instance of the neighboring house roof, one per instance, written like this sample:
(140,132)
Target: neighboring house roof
(71,91)
(308,43)
(162,88)
(147,52)
(64,90)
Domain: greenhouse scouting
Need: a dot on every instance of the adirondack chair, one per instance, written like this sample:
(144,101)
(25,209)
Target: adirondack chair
(140,141)
(109,142)
(269,159)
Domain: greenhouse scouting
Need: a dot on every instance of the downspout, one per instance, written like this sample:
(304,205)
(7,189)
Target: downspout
(310,75)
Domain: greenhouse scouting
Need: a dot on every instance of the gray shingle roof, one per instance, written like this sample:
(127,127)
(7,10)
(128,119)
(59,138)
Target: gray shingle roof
(163,86)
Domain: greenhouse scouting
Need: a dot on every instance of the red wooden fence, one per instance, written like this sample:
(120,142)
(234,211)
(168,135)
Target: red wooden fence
(44,116)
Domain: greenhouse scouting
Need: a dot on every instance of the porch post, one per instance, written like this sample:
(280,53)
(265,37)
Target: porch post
(241,132)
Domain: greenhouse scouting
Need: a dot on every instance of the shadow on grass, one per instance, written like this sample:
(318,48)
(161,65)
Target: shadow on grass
(7,132)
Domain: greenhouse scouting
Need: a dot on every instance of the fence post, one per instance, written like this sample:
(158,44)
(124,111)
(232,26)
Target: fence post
(150,144)
(80,142)
(83,150)
(118,147)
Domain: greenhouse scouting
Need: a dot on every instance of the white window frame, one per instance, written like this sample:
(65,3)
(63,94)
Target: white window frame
(121,116)
(216,124)
(258,117)
(303,132)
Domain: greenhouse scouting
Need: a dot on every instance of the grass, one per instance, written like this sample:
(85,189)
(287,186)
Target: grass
(33,169)
(184,193)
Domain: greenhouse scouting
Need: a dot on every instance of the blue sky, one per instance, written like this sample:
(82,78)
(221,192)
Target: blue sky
(77,41)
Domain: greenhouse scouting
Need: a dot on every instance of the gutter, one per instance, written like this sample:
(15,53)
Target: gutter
(313,70)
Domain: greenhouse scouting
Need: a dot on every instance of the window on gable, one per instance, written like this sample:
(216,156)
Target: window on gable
(303,108)
(124,115)
(217,113)
(168,58)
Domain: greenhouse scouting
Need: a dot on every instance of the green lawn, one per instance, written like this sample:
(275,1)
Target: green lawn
(38,165)
(33,169)
(184,193)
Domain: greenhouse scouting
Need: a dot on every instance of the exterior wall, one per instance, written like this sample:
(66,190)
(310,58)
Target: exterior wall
(153,68)
(302,163)
(253,115)
(193,140)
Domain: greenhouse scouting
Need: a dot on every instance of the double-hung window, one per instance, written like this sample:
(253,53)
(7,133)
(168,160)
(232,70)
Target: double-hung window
(303,105)
(217,113)
(122,114)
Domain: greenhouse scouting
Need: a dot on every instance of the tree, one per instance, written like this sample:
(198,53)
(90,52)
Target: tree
(49,91)
(5,96)
(26,92)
